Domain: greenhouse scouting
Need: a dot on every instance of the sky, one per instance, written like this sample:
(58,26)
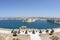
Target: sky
(30,8)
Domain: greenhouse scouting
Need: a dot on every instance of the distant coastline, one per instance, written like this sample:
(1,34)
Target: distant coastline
(19,18)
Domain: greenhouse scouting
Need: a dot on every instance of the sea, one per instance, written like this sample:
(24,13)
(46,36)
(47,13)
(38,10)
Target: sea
(39,24)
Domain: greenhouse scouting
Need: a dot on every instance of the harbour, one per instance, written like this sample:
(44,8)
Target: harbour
(29,29)
(39,24)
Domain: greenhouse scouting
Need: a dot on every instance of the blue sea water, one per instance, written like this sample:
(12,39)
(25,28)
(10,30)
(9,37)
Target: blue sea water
(40,24)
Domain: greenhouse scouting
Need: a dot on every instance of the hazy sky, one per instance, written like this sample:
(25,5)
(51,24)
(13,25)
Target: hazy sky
(29,8)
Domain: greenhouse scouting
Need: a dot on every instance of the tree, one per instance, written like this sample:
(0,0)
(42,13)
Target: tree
(15,33)
(52,31)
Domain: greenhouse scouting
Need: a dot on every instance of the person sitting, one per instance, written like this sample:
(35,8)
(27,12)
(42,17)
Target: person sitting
(40,31)
(33,32)
(47,30)
(26,32)
(18,31)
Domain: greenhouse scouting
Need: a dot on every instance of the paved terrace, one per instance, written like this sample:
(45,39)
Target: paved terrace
(28,34)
